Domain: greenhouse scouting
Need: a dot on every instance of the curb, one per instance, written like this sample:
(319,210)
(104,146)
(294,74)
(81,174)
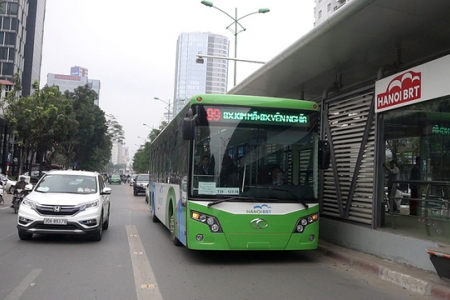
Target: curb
(422,286)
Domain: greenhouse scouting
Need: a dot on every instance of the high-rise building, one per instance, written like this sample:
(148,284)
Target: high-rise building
(324,8)
(192,78)
(119,153)
(33,45)
(78,77)
(115,151)
(21,37)
(79,71)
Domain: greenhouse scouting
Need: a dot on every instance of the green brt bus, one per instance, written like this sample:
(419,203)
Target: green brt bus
(233,172)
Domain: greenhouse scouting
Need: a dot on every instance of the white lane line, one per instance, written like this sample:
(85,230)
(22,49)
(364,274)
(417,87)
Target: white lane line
(18,291)
(146,286)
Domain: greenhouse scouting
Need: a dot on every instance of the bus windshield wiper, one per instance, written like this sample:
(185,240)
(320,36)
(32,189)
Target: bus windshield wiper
(228,199)
(300,199)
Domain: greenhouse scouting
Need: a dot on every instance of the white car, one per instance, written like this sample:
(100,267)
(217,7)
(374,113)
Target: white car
(66,202)
(10,185)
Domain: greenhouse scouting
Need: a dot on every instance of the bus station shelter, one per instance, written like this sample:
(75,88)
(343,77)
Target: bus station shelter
(380,70)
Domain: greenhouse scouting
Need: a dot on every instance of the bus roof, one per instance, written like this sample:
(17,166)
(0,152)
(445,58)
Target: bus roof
(258,101)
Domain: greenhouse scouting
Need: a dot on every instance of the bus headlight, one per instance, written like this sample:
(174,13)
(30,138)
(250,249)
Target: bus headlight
(303,222)
(211,221)
(214,228)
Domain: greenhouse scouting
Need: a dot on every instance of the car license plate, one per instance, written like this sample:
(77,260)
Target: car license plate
(55,221)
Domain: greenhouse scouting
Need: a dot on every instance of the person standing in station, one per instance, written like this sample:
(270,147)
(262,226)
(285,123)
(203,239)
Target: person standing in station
(393,173)
(414,175)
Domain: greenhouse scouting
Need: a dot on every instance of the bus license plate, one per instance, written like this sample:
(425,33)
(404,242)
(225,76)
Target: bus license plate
(55,221)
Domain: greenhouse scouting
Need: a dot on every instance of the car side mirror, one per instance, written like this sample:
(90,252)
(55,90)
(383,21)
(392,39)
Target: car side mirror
(106,191)
(324,155)
(189,125)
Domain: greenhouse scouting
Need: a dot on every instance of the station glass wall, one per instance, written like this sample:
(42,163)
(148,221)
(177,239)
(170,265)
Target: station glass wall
(419,130)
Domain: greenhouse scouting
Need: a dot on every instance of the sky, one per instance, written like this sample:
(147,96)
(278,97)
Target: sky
(130,46)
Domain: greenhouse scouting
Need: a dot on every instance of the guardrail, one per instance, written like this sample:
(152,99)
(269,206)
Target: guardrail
(433,198)
(433,211)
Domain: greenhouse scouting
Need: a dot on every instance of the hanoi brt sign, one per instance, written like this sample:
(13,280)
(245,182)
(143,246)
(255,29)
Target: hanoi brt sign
(421,83)
(401,89)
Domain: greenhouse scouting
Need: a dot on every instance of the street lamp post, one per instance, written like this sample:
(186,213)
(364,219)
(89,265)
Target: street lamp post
(168,107)
(151,135)
(236,23)
(145,140)
(200,59)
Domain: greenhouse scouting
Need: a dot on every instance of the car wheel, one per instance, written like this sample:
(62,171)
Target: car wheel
(25,236)
(106,223)
(98,235)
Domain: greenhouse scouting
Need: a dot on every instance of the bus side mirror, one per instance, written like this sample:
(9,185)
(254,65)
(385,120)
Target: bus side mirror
(189,126)
(324,155)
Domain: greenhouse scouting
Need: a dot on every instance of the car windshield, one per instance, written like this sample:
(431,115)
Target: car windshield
(143,177)
(115,177)
(63,183)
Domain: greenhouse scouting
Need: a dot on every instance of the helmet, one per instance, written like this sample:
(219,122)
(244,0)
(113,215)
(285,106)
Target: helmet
(22,178)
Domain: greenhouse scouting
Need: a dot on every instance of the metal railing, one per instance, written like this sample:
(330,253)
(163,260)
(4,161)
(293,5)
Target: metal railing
(431,201)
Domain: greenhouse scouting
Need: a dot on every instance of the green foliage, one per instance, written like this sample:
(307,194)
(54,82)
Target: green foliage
(115,130)
(90,146)
(141,159)
(39,120)
(68,124)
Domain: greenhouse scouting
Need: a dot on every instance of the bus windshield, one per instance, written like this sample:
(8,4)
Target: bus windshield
(265,158)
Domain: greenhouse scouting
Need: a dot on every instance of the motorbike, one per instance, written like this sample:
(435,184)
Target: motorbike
(19,195)
(2,199)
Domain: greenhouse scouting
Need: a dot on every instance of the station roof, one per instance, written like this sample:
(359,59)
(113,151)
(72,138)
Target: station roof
(360,42)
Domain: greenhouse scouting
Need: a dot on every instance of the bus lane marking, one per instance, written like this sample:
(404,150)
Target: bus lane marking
(23,285)
(146,286)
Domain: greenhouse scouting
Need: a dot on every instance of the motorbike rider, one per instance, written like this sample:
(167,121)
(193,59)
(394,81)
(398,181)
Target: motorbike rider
(20,185)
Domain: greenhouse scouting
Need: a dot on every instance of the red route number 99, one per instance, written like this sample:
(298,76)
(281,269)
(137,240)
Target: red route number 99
(213,114)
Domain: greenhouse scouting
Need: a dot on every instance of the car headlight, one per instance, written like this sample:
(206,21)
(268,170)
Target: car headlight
(30,203)
(89,205)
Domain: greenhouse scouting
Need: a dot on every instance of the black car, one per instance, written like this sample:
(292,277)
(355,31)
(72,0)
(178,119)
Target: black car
(140,183)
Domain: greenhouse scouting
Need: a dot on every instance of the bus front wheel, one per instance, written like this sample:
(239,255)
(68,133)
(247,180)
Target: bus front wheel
(152,212)
(174,239)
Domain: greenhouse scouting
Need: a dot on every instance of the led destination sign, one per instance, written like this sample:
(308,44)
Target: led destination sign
(235,115)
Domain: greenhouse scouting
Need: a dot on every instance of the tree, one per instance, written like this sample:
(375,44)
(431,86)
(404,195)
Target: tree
(38,120)
(50,123)
(91,145)
(141,159)
(115,130)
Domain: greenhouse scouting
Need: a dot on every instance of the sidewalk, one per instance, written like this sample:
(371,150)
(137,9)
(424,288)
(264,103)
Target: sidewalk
(412,279)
